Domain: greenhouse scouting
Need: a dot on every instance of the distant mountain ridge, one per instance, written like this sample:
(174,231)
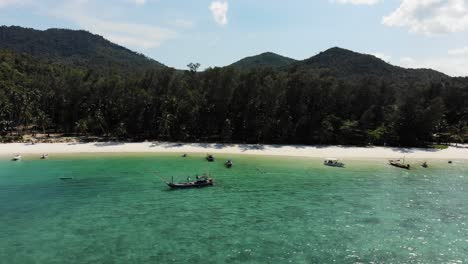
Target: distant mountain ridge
(345,63)
(264,60)
(341,63)
(75,47)
(87,50)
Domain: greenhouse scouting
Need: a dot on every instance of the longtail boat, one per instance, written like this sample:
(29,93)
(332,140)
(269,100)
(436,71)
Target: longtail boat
(200,182)
(210,158)
(332,162)
(399,164)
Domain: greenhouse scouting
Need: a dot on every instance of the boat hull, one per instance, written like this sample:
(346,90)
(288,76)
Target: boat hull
(189,185)
(401,166)
(335,165)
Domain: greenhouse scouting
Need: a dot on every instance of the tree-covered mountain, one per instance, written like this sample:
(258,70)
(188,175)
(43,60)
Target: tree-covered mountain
(336,97)
(74,47)
(341,63)
(344,63)
(264,60)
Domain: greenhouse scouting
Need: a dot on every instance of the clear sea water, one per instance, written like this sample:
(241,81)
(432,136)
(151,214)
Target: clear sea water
(263,210)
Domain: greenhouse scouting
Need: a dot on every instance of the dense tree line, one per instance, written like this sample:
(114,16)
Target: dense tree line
(294,106)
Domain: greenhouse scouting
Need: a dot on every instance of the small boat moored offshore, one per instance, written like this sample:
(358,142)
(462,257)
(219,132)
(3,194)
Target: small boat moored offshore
(45,156)
(424,165)
(332,162)
(17,158)
(399,164)
(201,181)
(209,158)
(228,164)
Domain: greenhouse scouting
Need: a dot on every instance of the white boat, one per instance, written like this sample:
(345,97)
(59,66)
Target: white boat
(45,156)
(332,162)
(17,158)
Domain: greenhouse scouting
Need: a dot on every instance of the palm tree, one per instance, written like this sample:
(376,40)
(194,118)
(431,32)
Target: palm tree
(82,126)
(459,131)
(43,121)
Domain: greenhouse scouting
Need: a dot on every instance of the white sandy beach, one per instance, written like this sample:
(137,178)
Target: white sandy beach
(452,153)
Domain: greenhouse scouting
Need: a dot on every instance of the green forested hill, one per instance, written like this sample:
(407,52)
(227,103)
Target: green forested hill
(264,60)
(337,97)
(74,47)
(344,63)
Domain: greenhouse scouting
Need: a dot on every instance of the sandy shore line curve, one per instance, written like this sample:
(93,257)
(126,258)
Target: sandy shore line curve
(343,152)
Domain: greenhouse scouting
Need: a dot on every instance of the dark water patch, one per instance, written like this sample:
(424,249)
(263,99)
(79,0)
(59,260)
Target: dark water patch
(370,221)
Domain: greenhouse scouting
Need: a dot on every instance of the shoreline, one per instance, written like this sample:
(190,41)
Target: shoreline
(340,152)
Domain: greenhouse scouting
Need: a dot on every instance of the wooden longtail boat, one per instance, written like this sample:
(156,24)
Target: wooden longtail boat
(399,164)
(332,162)
(210,158)
(200,182)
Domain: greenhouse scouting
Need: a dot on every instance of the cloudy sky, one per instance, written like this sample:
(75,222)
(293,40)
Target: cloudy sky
(409,33)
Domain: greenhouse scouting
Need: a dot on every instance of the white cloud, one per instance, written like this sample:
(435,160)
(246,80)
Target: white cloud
(430,17)
(460,51)
(135,35)
(219,10)
(453,66)
(140,36)
(127,34)
(357,2)
(382,56)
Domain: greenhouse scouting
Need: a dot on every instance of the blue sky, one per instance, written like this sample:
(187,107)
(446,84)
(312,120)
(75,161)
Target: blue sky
(409,33)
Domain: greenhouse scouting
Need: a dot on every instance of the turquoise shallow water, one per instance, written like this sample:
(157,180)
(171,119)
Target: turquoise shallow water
(263,210)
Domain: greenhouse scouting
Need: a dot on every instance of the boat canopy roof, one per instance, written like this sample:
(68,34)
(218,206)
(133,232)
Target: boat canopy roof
(332,159)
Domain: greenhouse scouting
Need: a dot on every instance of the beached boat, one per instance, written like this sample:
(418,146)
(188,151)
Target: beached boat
(209,158)
(45,156)
(424,165)
(17,158)
(228,164)
(200,182)
(332,162)
(399,164)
